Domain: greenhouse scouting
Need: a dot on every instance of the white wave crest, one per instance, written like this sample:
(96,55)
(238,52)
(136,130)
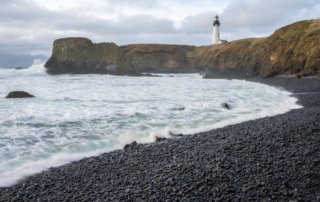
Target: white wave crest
(36,70)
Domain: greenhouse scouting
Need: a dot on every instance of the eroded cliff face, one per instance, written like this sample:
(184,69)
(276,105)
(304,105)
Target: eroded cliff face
(160,58)
(80,55)
(294,49)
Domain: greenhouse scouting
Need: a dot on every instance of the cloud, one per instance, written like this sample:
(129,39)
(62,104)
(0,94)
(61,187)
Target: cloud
(154,4)
(264,13)
(198,24)
(28,28)
(245,18)
(11,60)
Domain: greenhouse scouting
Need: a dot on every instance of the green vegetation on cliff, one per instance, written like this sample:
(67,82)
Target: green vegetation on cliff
(159,58)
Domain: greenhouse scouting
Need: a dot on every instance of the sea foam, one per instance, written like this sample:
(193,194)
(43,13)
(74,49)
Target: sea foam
(77,116)
(36,70)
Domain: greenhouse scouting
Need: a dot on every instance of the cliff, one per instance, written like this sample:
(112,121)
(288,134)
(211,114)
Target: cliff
(80,55)
(293,49)
(160,58)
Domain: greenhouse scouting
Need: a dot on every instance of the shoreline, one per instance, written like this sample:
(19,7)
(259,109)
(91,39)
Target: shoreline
(241,162)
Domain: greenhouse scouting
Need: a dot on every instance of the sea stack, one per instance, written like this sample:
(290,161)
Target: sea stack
(78,55)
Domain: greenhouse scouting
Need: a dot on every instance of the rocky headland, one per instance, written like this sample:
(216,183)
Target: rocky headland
(291,50)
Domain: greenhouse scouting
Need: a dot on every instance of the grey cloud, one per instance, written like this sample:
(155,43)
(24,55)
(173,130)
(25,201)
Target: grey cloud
(135,24)
(243,19)
(11,60)
(25,27)
(198,24)
(27,14)
(263,13)
(154,4)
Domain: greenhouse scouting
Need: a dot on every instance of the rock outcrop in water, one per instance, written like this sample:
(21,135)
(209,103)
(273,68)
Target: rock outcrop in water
(293,49)
(19,94)
(225,105)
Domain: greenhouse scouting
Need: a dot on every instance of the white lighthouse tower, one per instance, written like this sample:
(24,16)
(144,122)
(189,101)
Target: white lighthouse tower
(216,32)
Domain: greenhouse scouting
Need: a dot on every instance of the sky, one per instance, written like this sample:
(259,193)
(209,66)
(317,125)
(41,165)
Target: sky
(28,28)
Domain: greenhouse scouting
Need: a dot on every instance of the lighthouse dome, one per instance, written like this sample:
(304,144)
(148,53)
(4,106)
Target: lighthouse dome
(216,20)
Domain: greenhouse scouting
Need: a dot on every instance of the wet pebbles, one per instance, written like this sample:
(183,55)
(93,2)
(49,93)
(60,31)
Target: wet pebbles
(269,159)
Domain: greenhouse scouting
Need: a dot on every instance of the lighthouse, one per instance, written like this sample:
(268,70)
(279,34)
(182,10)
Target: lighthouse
(216,32)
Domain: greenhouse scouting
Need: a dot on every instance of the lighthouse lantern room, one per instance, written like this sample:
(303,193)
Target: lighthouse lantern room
(216,32)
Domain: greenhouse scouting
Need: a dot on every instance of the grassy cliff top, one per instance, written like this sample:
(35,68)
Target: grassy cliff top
(80,49)
(303,28)
(151,48)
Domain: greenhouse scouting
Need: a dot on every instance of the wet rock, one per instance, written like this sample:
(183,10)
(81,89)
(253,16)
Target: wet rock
(17,68)
(225,105)
(130,146)
(19,94)
(160,139)
(175,135)
(252,147)
(179,109)
(151,75)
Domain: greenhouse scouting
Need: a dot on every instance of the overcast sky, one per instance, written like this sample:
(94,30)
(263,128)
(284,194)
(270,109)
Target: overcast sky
(29,27)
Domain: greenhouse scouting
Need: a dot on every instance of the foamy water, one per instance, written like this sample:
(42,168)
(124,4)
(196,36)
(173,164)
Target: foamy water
(76,116)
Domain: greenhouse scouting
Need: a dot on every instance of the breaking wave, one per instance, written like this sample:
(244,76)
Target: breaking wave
(36,70)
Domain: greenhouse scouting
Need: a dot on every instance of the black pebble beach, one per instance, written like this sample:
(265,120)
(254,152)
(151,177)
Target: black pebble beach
(269,159)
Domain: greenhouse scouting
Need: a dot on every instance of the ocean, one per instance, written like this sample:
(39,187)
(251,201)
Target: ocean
(77,116)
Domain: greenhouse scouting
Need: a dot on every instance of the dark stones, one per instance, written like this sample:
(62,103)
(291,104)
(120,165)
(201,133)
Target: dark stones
(225,105)
(19,94)
(130,146)
(160,139)
(18,68)
(298,76)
